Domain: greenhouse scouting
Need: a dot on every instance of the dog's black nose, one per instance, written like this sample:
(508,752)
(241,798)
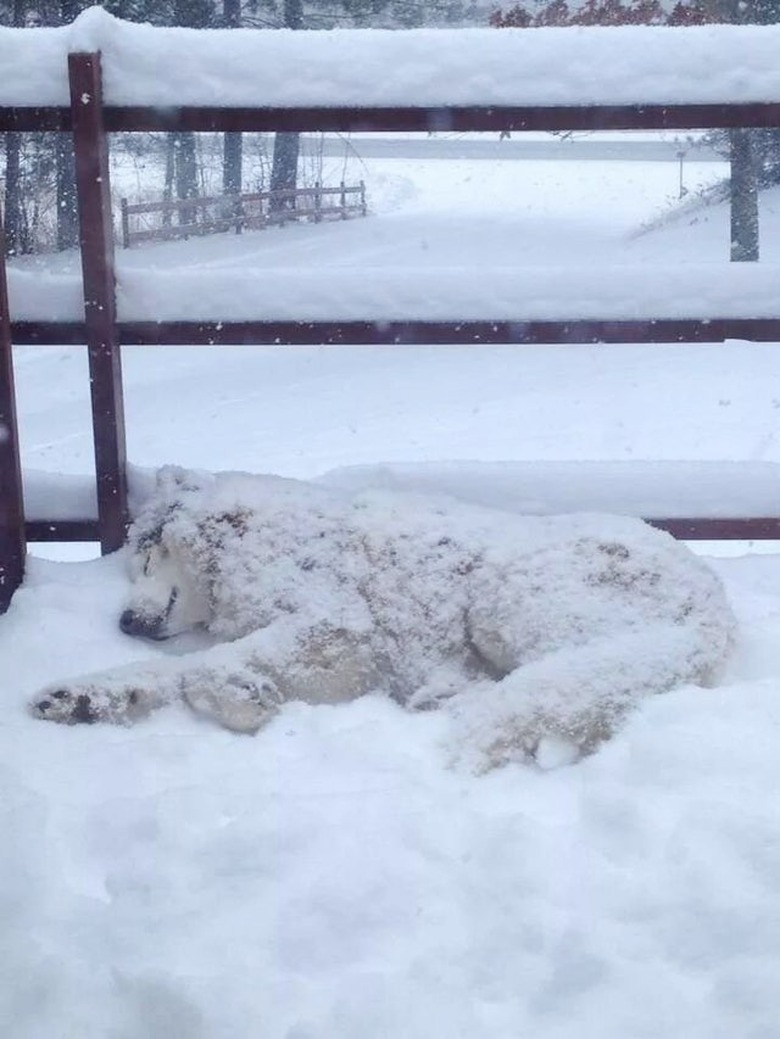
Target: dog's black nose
(128,622)
(142,626)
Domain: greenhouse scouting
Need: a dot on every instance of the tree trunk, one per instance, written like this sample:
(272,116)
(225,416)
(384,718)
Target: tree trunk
(284,170)
(186,173)
(232,153)
(232,161)
(744,171)
(14,221)
(69,11)
(195,14)
(293,14)
(14,218)
(169,172)
(67,205)
(744,198)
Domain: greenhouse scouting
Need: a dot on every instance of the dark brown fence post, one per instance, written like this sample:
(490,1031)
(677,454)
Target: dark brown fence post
(343,201)
(317,202)
(363,206)
(96,236)
(12,543)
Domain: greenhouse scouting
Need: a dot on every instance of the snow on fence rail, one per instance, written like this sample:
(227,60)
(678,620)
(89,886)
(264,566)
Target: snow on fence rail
(249,211)
(155,71)
(163,79)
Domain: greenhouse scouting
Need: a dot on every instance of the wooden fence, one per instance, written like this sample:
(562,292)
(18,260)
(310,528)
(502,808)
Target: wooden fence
(89,120)
(185,218)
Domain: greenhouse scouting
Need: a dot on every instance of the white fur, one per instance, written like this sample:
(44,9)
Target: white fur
(530,629)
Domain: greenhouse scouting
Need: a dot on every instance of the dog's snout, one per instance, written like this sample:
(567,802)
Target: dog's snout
(141,625)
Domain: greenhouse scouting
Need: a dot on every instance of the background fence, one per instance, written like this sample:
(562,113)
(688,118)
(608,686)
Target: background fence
(184,218)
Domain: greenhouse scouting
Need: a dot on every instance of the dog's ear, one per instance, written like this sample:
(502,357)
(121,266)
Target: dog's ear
(173,479)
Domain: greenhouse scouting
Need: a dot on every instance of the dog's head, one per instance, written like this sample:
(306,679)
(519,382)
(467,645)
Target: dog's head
(220,550)
(169,596)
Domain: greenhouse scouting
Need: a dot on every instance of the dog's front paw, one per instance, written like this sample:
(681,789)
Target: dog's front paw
(65,706)
(239,701)
(85,704)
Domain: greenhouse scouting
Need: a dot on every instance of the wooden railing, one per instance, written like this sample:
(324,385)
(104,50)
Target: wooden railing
(188,217)
(89,120)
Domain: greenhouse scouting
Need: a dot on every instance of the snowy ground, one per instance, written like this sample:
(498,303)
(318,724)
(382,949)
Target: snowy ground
(332,878)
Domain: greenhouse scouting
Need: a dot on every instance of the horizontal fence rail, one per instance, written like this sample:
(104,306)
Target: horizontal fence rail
(62,530)
(409,118)
(90,121)
(734,528)
(405,333)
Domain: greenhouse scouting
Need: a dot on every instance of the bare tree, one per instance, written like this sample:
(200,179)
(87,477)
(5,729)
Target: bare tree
(744,197)
(284,170)
(67,204)
(14,237)
(232,156)
(196,14)
(744,179)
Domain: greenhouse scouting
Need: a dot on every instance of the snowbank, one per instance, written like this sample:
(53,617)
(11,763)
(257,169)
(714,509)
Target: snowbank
(332,879)
(571,66)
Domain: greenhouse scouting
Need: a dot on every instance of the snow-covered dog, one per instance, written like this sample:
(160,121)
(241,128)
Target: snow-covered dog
(526,627)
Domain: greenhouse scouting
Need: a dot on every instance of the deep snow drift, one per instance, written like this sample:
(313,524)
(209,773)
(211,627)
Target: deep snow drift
(333,877)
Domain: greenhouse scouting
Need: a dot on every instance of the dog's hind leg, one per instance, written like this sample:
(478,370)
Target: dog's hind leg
(580,695)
